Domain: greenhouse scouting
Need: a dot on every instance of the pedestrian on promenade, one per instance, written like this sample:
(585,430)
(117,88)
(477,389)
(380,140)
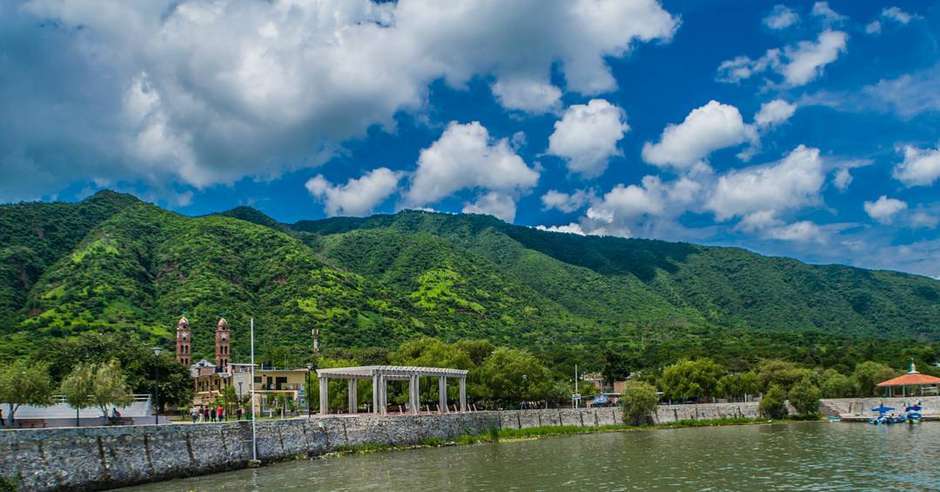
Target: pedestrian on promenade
(220,413)
(194,413)
(205,414)
(240,412)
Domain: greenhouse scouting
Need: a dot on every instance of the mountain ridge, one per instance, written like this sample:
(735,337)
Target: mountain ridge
(116,263)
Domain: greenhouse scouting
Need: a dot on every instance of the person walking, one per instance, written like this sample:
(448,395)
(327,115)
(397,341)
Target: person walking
(220,413)
(194,414)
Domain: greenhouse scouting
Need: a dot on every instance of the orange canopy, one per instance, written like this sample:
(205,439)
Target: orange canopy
(910,379)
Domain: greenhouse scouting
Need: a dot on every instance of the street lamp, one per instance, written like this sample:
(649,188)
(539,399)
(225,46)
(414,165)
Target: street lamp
(156,386)
(307,389)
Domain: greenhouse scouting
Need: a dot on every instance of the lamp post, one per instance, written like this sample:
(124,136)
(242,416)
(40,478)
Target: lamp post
(156,386)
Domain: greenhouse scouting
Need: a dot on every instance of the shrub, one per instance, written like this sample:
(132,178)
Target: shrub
(639,401)
(773,405)
(804,396)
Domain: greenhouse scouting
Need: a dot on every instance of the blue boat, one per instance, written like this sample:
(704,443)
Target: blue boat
(884,418)
(914,414)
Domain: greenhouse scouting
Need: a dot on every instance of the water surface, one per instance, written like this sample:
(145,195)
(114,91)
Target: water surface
(806,456)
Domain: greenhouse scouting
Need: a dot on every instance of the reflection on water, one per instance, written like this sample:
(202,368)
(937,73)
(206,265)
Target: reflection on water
(806,456)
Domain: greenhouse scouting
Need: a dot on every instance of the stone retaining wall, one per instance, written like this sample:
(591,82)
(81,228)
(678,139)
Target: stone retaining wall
(862,406)
(89,458)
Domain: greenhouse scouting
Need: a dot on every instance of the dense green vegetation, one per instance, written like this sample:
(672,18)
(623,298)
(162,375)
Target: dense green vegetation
(112,264)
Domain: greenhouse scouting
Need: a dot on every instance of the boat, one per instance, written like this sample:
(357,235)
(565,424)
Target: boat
(884,418)
(914,415)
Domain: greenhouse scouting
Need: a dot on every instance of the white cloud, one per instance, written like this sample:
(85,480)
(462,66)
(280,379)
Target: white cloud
(531,96)
(257,88)
(824,11)
(842,179)
(359,196)
(465,157)
(572,228)
(781,17)
(649,208)
(587,135)
(565,202)
(907,96)
(706,129)
(873,27)
(897,15)
(798,64)
(884,209)
(924,219)
(789,184)
(921,167)
(499,205)
(802,231)
(773,113)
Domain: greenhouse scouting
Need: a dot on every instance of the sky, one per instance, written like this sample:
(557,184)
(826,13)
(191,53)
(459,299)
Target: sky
(801,129)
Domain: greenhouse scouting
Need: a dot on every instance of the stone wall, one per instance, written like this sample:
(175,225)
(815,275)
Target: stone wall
(104,457)
(862,406)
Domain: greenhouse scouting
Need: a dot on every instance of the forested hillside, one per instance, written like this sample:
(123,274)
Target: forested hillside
(115,264)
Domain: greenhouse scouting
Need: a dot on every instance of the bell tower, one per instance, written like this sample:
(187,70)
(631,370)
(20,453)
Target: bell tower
(222,342)
(184,340)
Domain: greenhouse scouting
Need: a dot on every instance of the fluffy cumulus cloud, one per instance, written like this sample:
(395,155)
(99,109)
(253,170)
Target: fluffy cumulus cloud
(781,17)
(769,190)
(566,202)
(205,92)
(798,64)
(649,208)
(884,209)
(359,196)
(586,136)
(466,157)
(774,113)
(920,167)
(706,129)
(499,205)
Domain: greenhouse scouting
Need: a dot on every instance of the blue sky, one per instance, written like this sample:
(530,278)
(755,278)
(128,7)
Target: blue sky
(804,129)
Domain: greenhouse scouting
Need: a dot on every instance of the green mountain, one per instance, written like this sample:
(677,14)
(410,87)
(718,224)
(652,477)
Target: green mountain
(112,263)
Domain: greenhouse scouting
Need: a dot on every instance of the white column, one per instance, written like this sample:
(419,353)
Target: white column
(383,394)
(375,394)
(324,395)
(442,393)
(411,393)
(352,398)
(463,394)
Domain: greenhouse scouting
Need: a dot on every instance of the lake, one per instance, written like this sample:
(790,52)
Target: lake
(806,456)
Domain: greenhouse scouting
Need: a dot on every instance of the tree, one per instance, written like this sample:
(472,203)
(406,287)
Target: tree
(773,405)
(834,384)
(639,400)
(511,375)
(737,385)
(478,350)
(868,374)
(110,387)
(161,376)
(691,379)
(804,396)
(780,372)
(25,382)
(78,388)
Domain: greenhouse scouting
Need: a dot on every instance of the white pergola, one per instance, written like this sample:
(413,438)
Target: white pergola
(380,375)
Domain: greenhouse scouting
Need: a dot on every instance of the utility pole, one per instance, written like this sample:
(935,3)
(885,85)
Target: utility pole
(577,396)
(254,438)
